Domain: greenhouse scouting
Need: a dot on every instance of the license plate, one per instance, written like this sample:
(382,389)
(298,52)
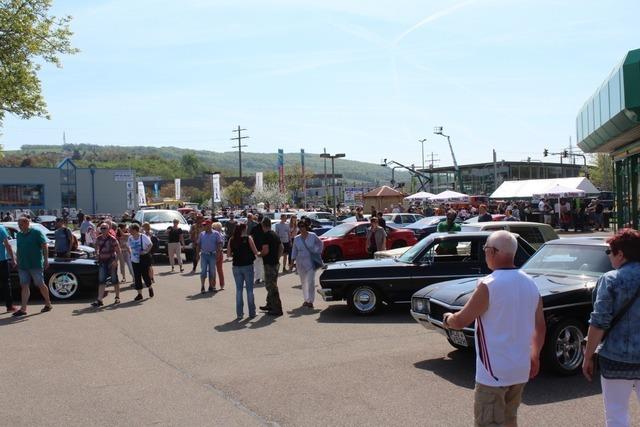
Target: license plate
(457,337)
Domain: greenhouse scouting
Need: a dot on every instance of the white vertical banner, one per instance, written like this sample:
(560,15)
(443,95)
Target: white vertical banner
(259,181)
(215,184)
(142,197)
(177,185)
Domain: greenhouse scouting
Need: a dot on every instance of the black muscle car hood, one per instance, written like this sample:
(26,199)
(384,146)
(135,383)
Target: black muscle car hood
(365,263)
(457,292)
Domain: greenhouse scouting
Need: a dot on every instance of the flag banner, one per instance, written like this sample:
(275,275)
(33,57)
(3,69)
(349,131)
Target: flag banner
(259,181)
(215,184)
(281,169)
(177,185)
(142,197)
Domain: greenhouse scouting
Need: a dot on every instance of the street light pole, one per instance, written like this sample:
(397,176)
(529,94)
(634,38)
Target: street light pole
(333,181)
(422,141)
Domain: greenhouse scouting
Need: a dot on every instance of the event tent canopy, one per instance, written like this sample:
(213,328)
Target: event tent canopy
(527,188)
(558,191)
(449,196)
(422,195)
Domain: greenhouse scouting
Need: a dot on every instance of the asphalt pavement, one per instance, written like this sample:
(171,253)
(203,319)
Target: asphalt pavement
(182,358)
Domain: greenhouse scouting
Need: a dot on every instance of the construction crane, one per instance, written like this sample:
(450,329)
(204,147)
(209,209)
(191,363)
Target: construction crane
(460,186)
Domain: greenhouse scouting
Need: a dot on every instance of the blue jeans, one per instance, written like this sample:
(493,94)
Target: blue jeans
(107,269)
(208,265)
(243,275)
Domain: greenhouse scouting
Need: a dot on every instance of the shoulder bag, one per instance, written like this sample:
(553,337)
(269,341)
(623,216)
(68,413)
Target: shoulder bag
(623,310)
(316,258)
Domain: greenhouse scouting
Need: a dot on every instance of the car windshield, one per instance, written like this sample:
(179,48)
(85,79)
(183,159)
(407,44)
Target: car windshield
(569,259)
(338,230)
(162,216)
(430,220)
(410,255)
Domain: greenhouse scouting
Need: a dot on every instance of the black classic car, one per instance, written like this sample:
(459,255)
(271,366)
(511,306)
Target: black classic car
(65,278)
(565,271)
(367,284)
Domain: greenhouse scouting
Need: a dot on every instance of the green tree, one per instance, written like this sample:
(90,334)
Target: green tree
(270,177)
(235,192)
(191,164)
(601,171)
(29,36)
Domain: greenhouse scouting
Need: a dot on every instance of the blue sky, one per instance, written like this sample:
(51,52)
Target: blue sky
(367,78)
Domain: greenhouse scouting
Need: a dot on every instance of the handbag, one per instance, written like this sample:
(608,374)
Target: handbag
(316,259)
(623,310)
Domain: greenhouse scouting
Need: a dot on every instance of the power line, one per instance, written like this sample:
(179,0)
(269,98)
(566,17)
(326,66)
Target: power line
(239,138)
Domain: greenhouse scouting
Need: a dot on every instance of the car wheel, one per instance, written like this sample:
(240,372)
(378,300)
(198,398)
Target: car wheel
(333,254)
(399,244)
(364,300)
(562,349)
(63,285)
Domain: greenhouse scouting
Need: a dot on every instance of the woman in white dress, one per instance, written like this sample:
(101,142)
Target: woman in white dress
(304,246)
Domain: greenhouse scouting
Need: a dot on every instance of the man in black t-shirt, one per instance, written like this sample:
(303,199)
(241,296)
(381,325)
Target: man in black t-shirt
(484,216)
(270,252)
(175,243)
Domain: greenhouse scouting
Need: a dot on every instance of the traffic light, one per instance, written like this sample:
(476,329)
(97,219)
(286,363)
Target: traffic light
(545,152)
(565,153)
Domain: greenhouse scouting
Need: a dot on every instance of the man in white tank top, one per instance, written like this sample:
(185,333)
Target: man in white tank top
(510,330)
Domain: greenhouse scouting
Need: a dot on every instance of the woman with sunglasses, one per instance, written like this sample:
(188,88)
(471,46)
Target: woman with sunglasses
(613,328)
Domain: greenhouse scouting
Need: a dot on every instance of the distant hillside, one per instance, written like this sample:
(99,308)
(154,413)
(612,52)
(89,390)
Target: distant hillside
(169,162)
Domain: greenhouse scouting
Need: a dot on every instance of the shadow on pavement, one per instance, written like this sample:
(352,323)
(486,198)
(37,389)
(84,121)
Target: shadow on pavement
(234,325)
(200,295)
(302,311)
(340,313)
(264,320)
(458,367)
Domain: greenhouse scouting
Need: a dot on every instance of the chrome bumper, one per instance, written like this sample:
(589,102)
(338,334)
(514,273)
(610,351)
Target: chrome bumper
(326,294)
(435,325)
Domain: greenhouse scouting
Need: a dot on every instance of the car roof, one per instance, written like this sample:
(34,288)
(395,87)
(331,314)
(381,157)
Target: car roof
(583,241)
(462,234)
(494,223)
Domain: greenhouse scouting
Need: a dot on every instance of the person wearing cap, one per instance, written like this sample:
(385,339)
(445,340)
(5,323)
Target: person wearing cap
(194,233)
(210,244)
(63,239)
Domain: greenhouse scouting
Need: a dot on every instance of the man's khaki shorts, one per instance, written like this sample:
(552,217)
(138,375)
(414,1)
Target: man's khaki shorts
(496,406)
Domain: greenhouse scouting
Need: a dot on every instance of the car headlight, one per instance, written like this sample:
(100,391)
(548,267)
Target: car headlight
(420,305)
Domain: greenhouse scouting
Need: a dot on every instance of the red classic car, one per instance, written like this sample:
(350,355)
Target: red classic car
(348,240)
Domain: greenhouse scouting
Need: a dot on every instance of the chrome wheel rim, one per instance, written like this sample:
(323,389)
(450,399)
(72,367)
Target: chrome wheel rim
(364,299)
(63,285)
(568,347)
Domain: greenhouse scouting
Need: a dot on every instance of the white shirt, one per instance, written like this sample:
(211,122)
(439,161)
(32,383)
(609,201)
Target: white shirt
(541,206)
(139,244)
(505,330)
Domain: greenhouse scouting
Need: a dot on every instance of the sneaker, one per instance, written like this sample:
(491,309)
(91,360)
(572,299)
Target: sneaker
(150,292)
(181,269)
(11,309)
(202,291)
(138,297)
(19,313)
(265,308)
(117,301)
(97,303)
(46,308)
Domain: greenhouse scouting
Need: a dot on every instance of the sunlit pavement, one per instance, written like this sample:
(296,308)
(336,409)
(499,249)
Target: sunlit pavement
(182,358)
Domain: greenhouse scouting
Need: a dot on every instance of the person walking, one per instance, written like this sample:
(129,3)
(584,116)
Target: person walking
(230,228)
(257,233)
(107,252)
(376,237)
(210,243)
(140,246)
(293,232)
(175,243)
(219,255)
(124,257)
(84,226)
(194,234)
(270,253)
(146,229)
(242,251)
(305,246)
(7,261)
(509,333)
(613,328)
(63,239)
(282,230)
(33,260)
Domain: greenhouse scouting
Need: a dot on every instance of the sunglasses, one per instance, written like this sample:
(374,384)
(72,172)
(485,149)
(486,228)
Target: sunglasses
(607,251)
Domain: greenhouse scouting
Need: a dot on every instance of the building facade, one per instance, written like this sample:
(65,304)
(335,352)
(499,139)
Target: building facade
(102,191)
(485,178)
(609,122)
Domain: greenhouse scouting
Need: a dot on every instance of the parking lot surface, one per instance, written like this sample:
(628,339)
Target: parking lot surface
(182,358)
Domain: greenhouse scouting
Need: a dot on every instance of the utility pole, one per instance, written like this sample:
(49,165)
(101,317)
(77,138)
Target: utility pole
(326,194)
(239,138)
(422,141)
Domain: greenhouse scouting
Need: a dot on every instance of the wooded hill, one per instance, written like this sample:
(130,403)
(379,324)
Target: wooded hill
(172,162)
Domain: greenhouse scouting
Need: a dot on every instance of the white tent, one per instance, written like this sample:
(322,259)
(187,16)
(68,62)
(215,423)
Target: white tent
(558,191)
(422,195)
(527,188)
(449,196)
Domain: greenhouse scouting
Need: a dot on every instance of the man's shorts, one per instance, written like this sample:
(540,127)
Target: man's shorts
(105,270)
(287,248)
(35,274)
(496,406)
